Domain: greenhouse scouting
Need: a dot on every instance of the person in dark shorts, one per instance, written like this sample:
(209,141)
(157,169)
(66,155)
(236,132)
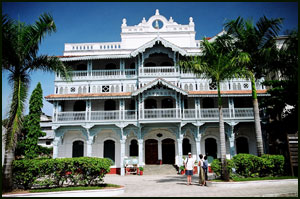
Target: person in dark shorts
(189,164)
(205,167)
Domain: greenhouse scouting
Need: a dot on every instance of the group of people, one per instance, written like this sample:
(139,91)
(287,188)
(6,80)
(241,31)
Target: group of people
(189,164)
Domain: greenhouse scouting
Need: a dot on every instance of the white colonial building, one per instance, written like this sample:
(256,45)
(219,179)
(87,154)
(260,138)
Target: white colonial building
(130,98)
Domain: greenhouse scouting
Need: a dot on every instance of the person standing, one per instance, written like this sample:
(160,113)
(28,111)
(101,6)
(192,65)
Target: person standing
(205,167)
(189,163)
(201,173)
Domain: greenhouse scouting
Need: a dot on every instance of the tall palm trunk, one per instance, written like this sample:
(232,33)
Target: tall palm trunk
(222,136)
(258,133)
(7,182)
(13,129)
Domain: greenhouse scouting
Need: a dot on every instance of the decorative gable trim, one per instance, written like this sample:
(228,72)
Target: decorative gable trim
(157,81)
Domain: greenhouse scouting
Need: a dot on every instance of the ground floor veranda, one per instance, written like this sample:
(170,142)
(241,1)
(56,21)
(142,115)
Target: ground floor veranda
(163,143)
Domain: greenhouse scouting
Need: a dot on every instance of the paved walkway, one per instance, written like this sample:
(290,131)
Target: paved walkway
(175,185)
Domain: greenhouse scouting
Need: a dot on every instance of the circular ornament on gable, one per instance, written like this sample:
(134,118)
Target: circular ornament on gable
(157,24)
(159,135)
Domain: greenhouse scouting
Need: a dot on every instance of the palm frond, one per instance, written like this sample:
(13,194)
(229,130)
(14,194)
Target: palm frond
(49,64)
(36,32)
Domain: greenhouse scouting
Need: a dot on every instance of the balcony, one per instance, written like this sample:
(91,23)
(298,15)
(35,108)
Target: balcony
(105,74)
(211,114)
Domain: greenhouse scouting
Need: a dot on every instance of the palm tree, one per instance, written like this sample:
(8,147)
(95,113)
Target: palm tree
(258,42)
(218,62)
(20,46)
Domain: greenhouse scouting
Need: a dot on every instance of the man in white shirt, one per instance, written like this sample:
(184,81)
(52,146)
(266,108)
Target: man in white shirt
(189,163)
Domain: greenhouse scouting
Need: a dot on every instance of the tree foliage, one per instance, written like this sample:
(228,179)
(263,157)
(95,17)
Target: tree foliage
(33,123)
(20,57)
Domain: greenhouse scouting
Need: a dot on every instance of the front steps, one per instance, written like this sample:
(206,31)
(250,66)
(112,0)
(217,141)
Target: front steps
(163,169)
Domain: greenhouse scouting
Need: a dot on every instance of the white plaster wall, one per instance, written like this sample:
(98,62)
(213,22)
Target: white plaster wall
(65,149)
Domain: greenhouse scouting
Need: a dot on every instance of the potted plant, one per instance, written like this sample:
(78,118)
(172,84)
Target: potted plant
(181,168)
(141,170)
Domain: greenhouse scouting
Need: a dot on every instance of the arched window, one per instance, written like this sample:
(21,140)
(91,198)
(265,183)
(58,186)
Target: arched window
(109,149)
(133,149)
(110,66)
(208,103)
(150,104)
(167,103)
(109,105)
(211,147)
(77,150)
(79,106)
(186,146)
(242,145)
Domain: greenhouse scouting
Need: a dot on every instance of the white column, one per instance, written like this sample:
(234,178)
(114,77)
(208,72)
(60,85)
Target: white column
(179,146)
(89,67)
(198,151)
(159,150)
(177,107)
(89,144)
(55,146)
(122,141)
(141,152)
(232,142)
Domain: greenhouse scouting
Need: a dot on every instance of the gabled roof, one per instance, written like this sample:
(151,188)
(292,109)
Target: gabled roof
(151,43)
(159,81)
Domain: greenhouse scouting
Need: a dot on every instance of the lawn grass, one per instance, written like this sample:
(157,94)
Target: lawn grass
(101,186)
(237,179)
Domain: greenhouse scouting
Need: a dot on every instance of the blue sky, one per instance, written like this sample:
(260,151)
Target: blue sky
(101,22)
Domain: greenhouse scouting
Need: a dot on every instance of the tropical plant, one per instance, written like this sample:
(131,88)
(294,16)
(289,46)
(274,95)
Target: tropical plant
(33,127)
(19,57)
(258,41)
(218,62)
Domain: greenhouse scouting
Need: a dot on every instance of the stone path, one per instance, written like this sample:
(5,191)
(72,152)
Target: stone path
(175,185)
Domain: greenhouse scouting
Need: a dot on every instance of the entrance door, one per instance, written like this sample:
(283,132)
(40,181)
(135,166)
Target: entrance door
(168,151)
(151,151)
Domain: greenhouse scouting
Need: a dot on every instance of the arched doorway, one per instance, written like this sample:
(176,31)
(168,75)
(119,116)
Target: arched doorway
(109,149)
(168,151)
(77,149)
(242,145)
(133,149)
(151,151)
(186,146)
(211,147)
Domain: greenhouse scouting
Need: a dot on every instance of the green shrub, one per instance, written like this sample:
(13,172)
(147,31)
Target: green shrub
(56,172)
(247,165)
(272,165)
(216,166)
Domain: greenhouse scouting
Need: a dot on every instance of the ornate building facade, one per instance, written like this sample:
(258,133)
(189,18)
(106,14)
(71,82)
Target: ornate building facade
(131,98)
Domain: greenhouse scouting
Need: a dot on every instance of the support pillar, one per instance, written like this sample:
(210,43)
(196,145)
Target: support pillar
(231,138)
(141,152)
(122,153)
(159,151)
(179,146)
(56,142)
(89,144)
